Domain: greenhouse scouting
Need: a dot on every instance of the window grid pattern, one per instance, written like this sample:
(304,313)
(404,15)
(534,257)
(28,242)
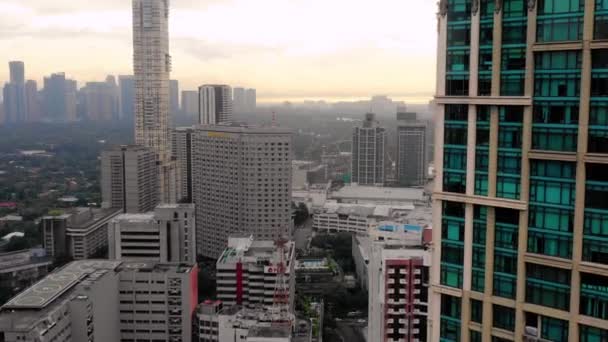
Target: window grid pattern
(548,286)
(595,229)
(458,47)
(451,310)
(455,148)
(482,151)
(601,20)
(598,114)
(452,244)
(486,28)
(594,296)
(560,20)
(557,77)
(514,37)
(510,130)
(505,252)
(551,214)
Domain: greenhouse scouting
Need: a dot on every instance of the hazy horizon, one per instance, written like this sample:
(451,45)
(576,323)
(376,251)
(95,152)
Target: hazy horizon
(287,49)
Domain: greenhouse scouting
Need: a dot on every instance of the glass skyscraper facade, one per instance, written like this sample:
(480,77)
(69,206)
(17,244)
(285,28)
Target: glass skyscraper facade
(521,194)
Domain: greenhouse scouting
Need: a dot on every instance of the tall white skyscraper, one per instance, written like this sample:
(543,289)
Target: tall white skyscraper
(152,66)
(238,99)
(215,104)
(369,151)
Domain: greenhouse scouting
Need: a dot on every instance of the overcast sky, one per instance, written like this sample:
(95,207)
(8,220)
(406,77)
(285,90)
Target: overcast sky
(287,49)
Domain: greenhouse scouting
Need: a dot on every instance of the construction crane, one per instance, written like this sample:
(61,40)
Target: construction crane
(280,305)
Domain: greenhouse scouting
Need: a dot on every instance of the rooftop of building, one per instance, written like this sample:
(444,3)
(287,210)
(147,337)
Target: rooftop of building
(312,264)
(367,210)
(243,129)
(175,206)
(378,193)
(54,285)
(246,249)
(131,148)
(82,218)
(16,259)
(270,332)
(135,218)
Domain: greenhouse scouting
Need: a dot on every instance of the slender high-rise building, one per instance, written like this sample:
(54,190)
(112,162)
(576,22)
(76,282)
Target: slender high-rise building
(520,218)
(369,153)
(411,150)
(238,100)
(215,104)
(14,94)
(129,179)
(32,101)
(242,184)
(152,66)
(251,100)
(189,105)
(126,85)
(182,151)
(173,97)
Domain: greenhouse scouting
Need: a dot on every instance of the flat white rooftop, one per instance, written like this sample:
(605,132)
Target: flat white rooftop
(379,193)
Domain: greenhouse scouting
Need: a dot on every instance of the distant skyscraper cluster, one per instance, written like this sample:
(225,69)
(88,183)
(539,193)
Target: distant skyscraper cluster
(245,100)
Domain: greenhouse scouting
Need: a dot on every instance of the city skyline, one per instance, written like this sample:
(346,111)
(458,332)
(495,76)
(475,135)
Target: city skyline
(280,54)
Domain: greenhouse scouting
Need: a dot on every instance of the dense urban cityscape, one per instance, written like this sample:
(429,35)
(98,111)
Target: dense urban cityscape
(138,209)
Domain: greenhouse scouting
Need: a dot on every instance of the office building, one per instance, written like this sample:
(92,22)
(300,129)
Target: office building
(126,85)
(217,322)
(129,179)
(398,274)
(59,98)
(247,271)
(173,97)
(238,100)
(77,233)
(412,165)
(32,102)
(251,100)
(182,151)
(215,104)
(14,94)
(152,66)
(369,153)
(165,235)
(520,210)
(105,300)
(242,184)
(190,103)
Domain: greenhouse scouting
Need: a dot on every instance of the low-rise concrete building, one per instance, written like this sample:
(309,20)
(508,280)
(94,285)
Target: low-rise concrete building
(165,235)
(356,218)
(105,300)
(77,233)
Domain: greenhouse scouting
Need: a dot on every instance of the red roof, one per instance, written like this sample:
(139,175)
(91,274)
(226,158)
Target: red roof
(8,205)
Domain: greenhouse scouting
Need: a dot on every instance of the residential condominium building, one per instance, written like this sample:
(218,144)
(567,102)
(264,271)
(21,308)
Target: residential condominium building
(242,184)
(247,271)
(521,159)
(398,275)
(165,235)
(412,165)
(369,153)
(129,179)
(214,104)
(105,300)
(152,108)
(77,233)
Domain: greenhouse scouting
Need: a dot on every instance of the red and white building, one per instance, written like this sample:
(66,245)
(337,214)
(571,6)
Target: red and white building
(398,287)
(246,272)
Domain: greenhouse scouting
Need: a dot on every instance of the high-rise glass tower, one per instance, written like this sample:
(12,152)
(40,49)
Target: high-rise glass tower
(152,66)
(521,199)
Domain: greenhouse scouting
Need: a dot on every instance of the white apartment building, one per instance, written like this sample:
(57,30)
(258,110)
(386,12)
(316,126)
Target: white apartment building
(214,104)
(398,274)
(165,235)
(104,300)
(242,184)
(246,272)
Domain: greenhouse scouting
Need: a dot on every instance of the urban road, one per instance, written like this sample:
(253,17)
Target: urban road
(350,331)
